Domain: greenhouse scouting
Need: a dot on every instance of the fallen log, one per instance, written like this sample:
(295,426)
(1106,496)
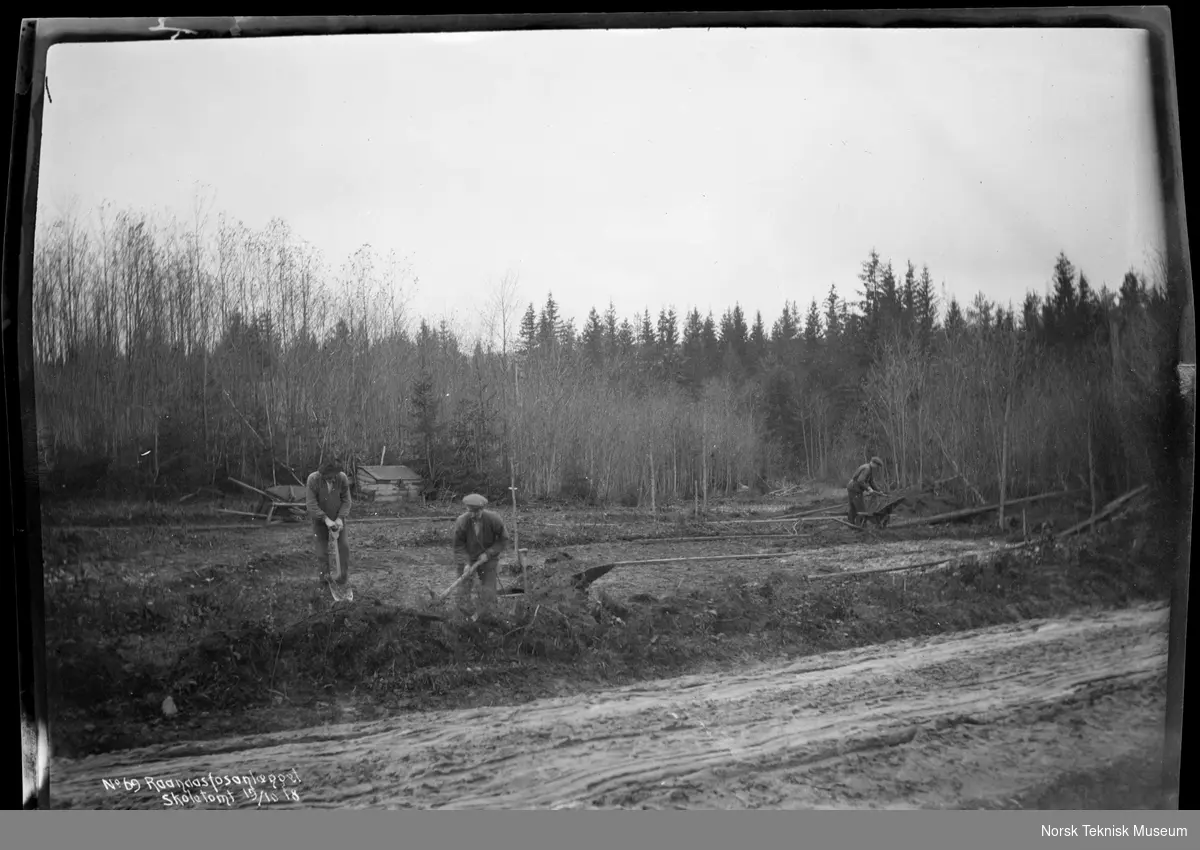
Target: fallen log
(709,537)
(969,512)
(377,519)
(1104,512)
(756,556)
(593,573)
(837,506)
(790,514)
(921,566)
(221,527)
(783,519)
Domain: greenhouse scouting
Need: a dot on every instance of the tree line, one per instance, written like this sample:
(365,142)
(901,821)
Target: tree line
(170,355)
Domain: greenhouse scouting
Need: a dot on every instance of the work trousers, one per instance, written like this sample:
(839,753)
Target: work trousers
(487,577)
(321,535)
(857,504)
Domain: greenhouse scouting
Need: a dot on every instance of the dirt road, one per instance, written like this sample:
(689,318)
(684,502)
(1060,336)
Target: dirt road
(930,723)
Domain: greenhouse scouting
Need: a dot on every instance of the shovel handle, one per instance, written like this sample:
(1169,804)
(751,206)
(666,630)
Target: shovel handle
(467,573)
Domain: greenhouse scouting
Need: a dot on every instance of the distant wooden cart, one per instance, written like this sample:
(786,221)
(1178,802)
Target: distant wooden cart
(284,502)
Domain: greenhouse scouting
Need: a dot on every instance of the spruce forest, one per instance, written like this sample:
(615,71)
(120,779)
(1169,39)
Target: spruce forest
(170,356)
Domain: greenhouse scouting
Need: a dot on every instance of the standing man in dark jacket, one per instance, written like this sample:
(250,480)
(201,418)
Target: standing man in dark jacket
(479,535)
(328,506)
(863,482)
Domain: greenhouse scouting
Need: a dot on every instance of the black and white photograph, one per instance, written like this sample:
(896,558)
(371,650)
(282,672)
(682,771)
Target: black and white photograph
(608,417)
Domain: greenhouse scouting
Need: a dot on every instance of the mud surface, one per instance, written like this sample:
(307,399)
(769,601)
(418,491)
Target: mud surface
(385,565)
(976,716)
(407,575)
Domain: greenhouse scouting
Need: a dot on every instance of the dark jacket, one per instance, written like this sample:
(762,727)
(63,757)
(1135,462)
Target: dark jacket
(324,501)
(864,478)
(492,538)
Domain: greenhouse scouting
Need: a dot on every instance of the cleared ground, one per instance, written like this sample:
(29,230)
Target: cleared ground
(692,684)
(989,714)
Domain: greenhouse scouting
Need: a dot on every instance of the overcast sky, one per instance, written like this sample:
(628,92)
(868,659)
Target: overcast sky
(655,167)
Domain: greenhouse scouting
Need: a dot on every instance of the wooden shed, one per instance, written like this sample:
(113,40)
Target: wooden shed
(388,483)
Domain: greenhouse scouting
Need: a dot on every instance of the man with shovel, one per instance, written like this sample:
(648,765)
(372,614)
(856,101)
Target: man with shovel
(862,483)
(328,498)
(479,538)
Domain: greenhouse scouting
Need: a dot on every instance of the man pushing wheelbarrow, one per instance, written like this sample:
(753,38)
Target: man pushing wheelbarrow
(861,484)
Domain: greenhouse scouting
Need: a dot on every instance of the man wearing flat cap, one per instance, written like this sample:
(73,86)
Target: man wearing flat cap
(863,482)
(328,500)
(479,536)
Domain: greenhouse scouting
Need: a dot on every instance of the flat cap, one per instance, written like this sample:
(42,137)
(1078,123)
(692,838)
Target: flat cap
(876,461)
(474,501)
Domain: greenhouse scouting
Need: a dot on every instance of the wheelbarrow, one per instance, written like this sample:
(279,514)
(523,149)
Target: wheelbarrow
(881,515)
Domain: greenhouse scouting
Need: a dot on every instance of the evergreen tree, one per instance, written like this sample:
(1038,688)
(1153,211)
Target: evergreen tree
(710,344)
(833,314)
(955,321)
(758,341)
(668,341)
(626,339)
(1061,309)
(925,307)
(908,298)
(1132,292)
(1031,322)
(812,327)
(784,329)
(528,332)
(549,323)
(610,329)
(693,354)
(593,339)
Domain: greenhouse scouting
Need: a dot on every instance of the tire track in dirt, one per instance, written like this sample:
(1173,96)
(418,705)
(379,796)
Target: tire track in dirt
(774,736)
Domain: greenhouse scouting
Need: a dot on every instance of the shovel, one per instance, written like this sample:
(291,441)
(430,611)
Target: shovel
(467,573)
(335,567)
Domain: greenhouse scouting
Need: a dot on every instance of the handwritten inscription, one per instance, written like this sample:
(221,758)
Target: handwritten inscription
(228,790)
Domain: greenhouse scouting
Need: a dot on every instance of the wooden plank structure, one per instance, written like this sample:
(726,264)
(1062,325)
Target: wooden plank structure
(390,483)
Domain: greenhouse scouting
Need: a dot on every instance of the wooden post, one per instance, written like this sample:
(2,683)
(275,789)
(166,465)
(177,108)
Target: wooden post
(1004,456)
(695,499)
(653,502)
(382,454)
(512,471)
(1024,526)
